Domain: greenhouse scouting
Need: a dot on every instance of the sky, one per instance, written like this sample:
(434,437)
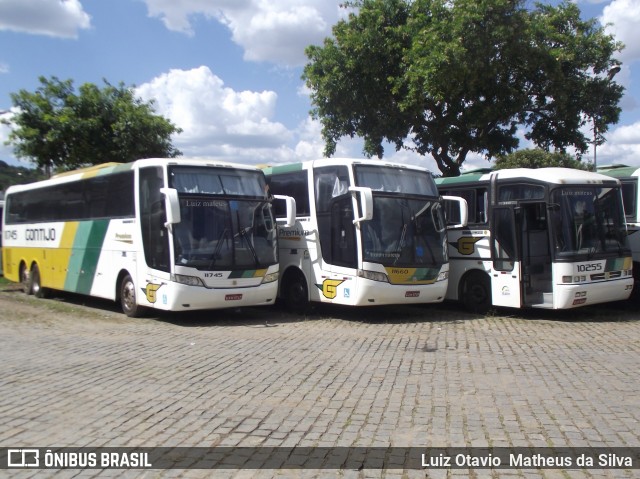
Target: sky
(228,72)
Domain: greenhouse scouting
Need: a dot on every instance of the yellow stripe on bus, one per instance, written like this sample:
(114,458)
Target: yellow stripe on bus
(58,259)
(53,262)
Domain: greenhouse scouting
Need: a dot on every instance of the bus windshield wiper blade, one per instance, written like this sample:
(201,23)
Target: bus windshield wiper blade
(216,252)
(244,234)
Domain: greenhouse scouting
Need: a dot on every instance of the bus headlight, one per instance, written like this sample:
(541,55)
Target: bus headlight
(373,275)
(270,278)
(188,280)
(443,275)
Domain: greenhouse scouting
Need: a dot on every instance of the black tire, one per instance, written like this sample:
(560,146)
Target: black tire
(295,294)
(475,293)
(25,280)
(128,298)
(36,283)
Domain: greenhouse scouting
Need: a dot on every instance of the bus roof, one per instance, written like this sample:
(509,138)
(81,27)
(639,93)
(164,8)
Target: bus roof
(550,175)
(290,167)
(619,171)
(111,168)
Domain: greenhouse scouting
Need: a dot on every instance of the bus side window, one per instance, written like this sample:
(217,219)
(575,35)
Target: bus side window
(503,241)
(290,184)
(476,200)
(481,205)
(629,195)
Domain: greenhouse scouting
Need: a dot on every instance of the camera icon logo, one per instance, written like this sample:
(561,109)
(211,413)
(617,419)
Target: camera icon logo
(23,458)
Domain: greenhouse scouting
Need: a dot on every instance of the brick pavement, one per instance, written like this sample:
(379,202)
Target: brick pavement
(429,376)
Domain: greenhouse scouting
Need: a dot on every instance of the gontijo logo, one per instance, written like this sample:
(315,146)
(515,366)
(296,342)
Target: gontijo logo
(329,287)
(466,245)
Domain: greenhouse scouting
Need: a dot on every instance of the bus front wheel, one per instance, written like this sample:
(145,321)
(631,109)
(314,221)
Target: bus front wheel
(128,298)
(295,294)
(476,293)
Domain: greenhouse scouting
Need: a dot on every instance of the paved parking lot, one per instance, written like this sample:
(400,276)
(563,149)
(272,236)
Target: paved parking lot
(74,372)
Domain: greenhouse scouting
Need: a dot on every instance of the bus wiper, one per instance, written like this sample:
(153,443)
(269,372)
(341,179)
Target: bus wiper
(216,252)
(403,234)
(243,233)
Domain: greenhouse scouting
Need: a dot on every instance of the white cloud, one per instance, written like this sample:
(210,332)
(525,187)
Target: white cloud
(624,17)
(270,31)
(218,122)
(56,18)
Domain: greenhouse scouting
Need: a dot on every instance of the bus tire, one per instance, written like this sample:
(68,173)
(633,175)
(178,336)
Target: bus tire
(36,283)
(475,292)
(295,294)
(25,279)
(128,299)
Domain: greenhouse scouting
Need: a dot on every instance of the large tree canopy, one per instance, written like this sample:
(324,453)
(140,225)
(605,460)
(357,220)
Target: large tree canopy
(57,128)
(450,77)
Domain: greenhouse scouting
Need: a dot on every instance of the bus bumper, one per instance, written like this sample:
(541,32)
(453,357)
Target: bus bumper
(356,291)
(180,297)
(573,296)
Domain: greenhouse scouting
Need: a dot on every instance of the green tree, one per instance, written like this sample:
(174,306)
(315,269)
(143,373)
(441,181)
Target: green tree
(538,158)
(57,128)
(450,77)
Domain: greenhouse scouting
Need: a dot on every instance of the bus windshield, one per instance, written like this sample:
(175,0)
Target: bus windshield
(396,180)
(588,220)
(221,228)
(406,230)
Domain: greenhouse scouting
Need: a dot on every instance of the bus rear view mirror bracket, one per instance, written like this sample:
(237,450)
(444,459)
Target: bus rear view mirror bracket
(366,197)
(463,210)
(291,209)
(172,204)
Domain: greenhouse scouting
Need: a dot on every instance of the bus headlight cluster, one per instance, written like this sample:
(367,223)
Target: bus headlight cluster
(270,278)
(443,275)
(188,280)
(574,279)
(373,275)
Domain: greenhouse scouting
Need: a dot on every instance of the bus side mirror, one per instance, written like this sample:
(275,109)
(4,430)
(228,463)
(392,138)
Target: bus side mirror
(172,205)
(459,205)
(291,209)
(366,200)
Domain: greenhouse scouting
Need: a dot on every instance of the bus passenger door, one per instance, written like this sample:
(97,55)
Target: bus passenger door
(506,271)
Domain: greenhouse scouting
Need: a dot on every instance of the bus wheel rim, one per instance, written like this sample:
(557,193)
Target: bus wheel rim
(128,296)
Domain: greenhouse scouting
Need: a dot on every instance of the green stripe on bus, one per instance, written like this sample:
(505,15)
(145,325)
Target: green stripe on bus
(115,169)
(271,170)
(423,274)
(617,264)
(86,253)
(248,273)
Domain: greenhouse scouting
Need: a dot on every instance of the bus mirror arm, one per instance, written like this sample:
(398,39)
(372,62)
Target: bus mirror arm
(464,210)
(291,209)
(366,201)
(172,206)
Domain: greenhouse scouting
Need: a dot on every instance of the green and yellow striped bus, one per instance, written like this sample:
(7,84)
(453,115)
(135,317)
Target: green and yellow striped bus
(167,234)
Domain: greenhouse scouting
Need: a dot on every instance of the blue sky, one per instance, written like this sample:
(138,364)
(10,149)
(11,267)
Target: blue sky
(228,71)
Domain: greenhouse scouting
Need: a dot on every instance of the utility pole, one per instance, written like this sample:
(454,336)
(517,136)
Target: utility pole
(613,72)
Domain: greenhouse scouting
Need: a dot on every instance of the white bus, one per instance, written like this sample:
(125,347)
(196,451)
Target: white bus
(169,234)
(628,177)
(367,233)
(550,238)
